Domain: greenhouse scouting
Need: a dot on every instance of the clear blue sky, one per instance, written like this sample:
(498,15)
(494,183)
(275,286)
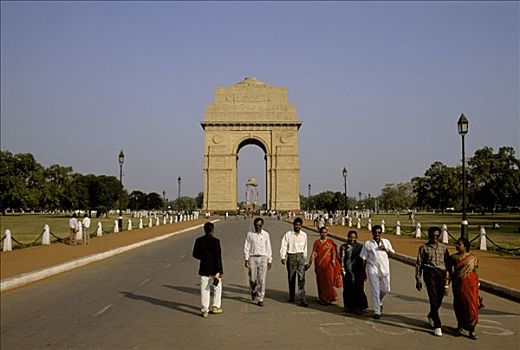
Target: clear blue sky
(379,86)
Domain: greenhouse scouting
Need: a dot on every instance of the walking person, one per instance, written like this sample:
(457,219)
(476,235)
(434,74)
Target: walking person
(465,288)
(354,275)
(73,229)
(207,250)
(327,268)
(85,225)
(259,256)
(433,261)
(293,253)
(375,254)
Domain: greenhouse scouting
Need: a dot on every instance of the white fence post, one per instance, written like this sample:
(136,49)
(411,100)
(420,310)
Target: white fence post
(483,239)
(418,230)
(444,234)
(116,226)
(129,225)
(99,230)
(140,222)
(398,228)
(46,238)
(8,243)
(383,226)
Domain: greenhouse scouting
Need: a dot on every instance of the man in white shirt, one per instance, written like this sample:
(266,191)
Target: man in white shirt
(375,254)
(259,256)
(73,228)
(294,251)
(86,224)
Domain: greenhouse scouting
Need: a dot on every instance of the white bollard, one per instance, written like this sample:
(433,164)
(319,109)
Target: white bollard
(444,234)
(176,218)
(99,230)
(164,220)
(382,226)
(171,219)
(79,234)
(418,230)
(116,226)
(349,221)
(141,223)
(157,221)
(129,228)
(358,223)
(46,238)
(369,225)
(398,228)
(483,239)
(150,222)
(8,242)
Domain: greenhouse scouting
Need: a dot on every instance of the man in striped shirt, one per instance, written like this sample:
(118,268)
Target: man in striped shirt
(433,262)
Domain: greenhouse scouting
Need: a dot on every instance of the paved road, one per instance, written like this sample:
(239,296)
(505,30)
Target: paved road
(149,298)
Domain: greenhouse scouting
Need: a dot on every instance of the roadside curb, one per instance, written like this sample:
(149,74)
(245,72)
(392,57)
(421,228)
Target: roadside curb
(29,277)
(490,287)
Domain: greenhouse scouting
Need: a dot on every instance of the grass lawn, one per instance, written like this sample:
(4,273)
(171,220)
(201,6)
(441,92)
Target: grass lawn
(507,236)
(25,228)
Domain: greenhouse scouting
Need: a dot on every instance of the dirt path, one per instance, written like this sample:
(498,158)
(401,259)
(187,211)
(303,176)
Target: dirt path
(25,260)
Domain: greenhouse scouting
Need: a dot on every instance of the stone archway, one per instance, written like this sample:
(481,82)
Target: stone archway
(251,112)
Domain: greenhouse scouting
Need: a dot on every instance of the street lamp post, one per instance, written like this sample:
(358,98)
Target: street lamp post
(309,199)
(463,130)
(346,197)
(121,161)
(178,193)
(164,200)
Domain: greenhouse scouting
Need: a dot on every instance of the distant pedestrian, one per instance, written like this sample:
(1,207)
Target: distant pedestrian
(433,261)
(293,253)
(207,250)
(465,288)
(375,254)
(327,268)
(73,229)
(85,225)
(354,275)
(258,259)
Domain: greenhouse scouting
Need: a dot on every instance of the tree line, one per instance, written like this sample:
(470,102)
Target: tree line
(27,185)
(492,184)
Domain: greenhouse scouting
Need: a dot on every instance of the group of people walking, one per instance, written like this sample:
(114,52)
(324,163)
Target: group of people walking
(348,267)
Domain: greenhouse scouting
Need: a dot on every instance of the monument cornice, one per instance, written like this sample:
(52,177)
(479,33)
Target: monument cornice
(247,124)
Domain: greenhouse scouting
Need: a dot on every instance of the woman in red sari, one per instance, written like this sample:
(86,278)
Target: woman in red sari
(465,288)
(327,268)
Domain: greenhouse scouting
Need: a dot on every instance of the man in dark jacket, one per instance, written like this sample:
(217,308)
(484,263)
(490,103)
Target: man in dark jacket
(207,250)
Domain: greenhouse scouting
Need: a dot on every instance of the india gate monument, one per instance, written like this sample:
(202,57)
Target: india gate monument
(251,112)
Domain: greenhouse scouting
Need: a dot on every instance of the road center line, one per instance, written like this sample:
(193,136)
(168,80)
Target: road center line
(103,310)
(143,282)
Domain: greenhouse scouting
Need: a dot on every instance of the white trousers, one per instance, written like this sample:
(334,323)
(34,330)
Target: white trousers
(379,287)
(206,290)
(257,275)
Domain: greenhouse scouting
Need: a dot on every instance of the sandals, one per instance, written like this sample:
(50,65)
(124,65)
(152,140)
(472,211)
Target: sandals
(473,336)
(458,332)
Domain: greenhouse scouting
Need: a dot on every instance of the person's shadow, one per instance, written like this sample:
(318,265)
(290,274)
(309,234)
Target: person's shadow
(189,309)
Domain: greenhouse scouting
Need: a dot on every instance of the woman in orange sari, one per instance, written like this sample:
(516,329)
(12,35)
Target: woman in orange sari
(465,288)
(327,267)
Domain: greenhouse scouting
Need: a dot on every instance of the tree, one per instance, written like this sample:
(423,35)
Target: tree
(494,179)
(199,200)
(397,197)
(440,188)
(57,178)
(185,203)
(155,201)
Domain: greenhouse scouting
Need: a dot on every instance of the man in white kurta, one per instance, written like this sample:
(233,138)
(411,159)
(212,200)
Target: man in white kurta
(259,256)
(375,253)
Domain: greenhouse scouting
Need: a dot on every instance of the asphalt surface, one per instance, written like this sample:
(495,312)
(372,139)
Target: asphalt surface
(148,298)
